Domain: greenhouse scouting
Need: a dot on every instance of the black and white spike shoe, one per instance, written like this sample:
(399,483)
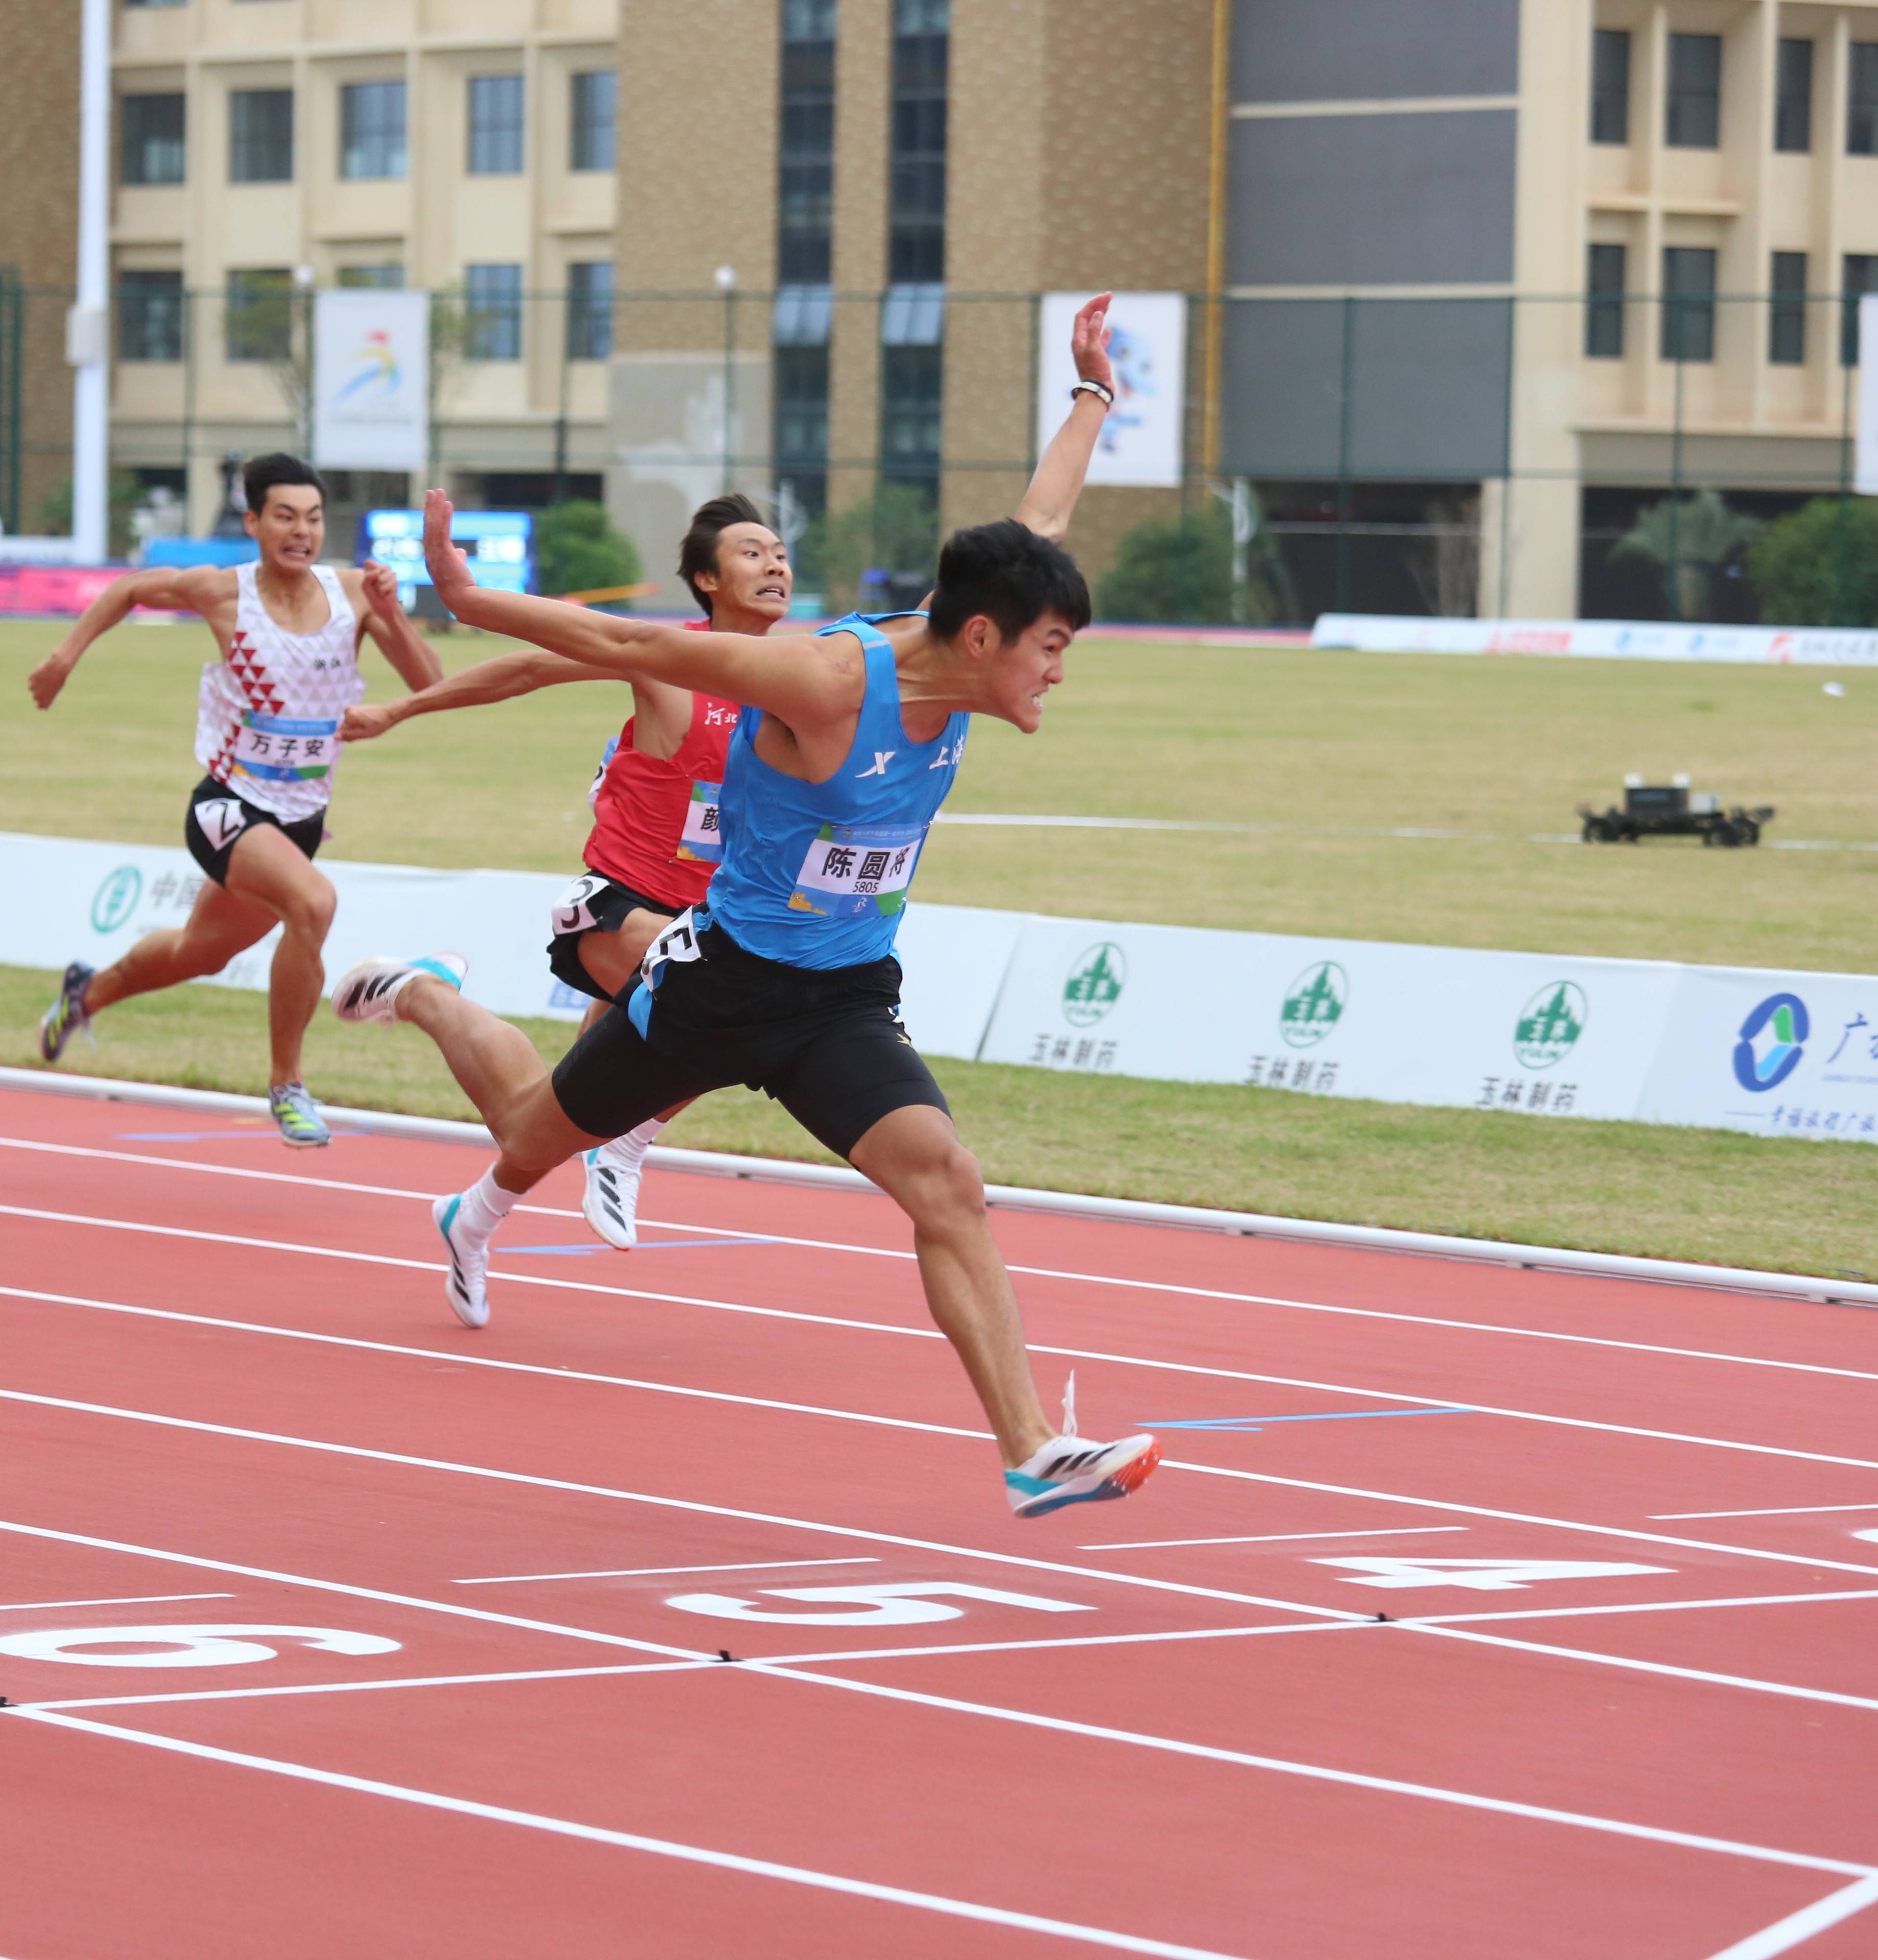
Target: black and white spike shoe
(1070,1469)
(369,992)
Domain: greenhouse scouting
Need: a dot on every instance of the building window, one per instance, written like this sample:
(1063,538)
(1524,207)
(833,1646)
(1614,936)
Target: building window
(1793,96)
(152,131)
(388,274)
(1604,304)
(805,229)
(1693,121)
(1787,311)
(592,104)
(1689,303)
(258,314)
(492,306)
(1610,85)
(372,129)
(495,125)
(913,319)
(150,316)
(590,309)
(155,3)
(261,135)
(1861,109)
(1861,278)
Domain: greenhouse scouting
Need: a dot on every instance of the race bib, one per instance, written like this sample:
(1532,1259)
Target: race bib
(572,911)
(280,751)
(676,945)
(600,774)
(221,819)
(858,870)
(702,842)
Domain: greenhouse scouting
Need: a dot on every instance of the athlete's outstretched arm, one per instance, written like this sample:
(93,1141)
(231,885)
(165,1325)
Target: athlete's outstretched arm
(412,656)
(796,676)
(502,679)
(1060,469)
(168,588)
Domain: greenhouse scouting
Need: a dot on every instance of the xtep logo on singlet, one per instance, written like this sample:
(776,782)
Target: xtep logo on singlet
(881,758)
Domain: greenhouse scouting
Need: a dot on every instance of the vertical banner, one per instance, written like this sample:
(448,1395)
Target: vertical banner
(1141,441)
(1866,477)
(371,380)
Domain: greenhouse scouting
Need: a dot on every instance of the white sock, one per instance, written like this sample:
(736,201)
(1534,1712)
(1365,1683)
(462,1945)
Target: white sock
(485,1205)
(629,1151)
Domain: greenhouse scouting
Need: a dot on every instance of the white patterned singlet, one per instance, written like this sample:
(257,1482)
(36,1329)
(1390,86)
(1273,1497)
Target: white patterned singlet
(269,721)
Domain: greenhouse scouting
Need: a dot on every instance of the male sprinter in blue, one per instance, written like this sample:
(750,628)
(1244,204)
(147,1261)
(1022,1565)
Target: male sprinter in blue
(784,977)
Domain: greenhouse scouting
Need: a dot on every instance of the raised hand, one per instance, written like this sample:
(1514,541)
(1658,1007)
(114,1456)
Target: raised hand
(364,720)
(448,565)
(1088,342)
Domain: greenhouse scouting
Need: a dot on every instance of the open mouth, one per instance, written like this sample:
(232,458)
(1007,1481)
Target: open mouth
(771,591)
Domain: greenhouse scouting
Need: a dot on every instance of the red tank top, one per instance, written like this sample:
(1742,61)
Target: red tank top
(655,822)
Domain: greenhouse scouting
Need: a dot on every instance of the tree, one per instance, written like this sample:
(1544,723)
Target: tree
(576,550)
(894,531)
(1698,535)
(125,493)
(1818,566)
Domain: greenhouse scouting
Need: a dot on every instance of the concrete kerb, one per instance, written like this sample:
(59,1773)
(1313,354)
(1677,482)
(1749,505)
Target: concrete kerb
(1123,1210)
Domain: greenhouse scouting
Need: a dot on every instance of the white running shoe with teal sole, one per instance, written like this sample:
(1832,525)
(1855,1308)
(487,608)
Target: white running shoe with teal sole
(610,1203)
(1070,1469)
(467,1287)
(369,991)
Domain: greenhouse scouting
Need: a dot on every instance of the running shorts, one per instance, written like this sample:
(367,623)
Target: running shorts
(218,819)
(593,902)
(828,1045)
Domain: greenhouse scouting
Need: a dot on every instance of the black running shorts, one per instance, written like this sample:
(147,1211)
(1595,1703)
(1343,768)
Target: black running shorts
(594,903)
(218,820)
(828,1046)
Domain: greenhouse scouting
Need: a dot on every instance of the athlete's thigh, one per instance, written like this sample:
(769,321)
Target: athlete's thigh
(611,1079)
(612,958)
(268,868)
(222,923)
(842,1083)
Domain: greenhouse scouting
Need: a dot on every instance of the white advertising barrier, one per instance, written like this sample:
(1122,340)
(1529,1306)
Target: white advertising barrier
(1423,1024)
(1598,640)
(67,899)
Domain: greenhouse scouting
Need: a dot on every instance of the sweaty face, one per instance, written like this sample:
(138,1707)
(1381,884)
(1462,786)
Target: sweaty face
(290,527)
(753,571)
(1021,673)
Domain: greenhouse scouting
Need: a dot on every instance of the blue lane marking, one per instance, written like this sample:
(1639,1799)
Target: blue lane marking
(1251,1425)
(645,1246)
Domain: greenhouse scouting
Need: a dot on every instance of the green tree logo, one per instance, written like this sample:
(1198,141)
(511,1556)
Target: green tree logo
(1313,1004)
(1550,1024)
(117,899)
(1094,984)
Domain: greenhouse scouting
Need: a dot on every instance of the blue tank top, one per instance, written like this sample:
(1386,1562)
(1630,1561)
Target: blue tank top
(816,874)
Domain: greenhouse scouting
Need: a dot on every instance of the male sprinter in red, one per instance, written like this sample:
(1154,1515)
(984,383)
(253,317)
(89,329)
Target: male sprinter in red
(267,733)
(655,842)
(847,744)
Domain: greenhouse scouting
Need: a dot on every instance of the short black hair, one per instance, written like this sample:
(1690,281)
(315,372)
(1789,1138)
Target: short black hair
(263,473)
(1011,575)
(698,551)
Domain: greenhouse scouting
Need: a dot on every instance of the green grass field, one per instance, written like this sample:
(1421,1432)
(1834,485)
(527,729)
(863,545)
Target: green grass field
(1327,753)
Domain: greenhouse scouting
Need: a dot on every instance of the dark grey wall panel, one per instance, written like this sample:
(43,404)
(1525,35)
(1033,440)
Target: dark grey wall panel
(1360,50)
(1429,388)
(1372,200)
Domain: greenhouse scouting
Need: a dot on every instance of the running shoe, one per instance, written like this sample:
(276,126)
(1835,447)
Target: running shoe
(467,1288)
(610,1204)
(67,1015)
(301,1122)
(369,991)
(1071,1470)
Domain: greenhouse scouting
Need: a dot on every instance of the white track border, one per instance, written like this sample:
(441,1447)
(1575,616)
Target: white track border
(1124,1211)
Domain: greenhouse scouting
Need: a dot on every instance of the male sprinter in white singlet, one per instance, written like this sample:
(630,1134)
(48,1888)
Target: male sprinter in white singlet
(847,744)
(289,629)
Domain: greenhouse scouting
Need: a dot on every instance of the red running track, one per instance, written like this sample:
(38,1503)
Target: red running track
(438,1615)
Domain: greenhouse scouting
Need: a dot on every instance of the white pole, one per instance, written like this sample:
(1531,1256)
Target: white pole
(87,325)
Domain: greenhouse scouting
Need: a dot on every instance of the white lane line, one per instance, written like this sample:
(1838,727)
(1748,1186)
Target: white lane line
(923,1333)
(1272,1538)
(1599,1659)
(1632,1606)
(139,1599)
(1505,1807)
(762,1868)
(1034,1272)
(1798,1927)
(1783,1511)
(658,1571)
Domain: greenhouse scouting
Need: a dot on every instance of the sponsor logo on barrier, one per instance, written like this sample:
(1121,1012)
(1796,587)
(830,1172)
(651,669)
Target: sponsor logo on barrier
(1094,984)
(1772,1041)
(1313,1004)
(1550,1024)
(117,899)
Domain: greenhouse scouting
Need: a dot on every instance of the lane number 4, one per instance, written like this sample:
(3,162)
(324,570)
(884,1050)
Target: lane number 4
(1480,1575)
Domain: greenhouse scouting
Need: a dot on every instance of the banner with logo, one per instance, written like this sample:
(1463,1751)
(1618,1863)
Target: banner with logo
(371,379)
(1598,639)
(1140,442)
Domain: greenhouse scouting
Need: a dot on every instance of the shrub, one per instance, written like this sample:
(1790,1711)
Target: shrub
(1171,572)
(895,530)
(1810,573)
(576,550)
